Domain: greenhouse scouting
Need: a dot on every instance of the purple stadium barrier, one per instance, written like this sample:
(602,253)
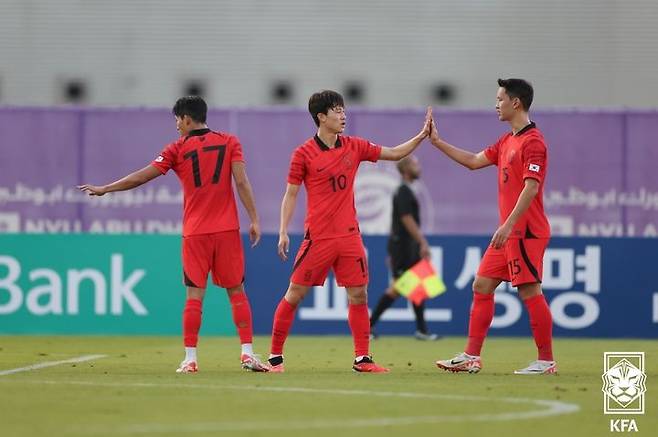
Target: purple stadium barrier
(601,179)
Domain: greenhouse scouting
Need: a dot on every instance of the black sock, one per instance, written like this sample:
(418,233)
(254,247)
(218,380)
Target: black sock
(419,310)
(275,361)
(384,303)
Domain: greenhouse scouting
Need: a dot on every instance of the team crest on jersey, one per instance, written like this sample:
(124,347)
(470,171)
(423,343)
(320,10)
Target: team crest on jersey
(534,167)
(347,162)
(511,156)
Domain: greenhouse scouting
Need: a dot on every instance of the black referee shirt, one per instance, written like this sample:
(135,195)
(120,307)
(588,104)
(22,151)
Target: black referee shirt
(404,202)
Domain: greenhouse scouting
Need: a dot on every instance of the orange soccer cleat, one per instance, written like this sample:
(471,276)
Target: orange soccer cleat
(367,365)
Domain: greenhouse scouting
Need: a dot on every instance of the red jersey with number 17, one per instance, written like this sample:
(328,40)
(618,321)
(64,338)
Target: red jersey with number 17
(328,174)
(202,161)
(519,157)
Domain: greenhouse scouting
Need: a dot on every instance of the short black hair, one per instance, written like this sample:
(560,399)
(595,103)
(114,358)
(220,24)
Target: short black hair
(403,164)
(518,88)
(192,106)
(322,101)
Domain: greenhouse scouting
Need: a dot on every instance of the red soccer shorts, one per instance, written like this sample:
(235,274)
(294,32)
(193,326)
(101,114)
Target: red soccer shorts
(219,253)
(520,261)
(346,255)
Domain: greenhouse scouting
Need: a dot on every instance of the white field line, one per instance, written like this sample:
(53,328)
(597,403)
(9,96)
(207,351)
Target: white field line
(51,364)
(546,408)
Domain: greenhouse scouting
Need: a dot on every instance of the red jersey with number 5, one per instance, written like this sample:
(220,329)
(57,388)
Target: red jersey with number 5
(202,161)
(518,158)
(328,174)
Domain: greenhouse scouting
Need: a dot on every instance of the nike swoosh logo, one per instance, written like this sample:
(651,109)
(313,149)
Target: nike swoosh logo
(320,169)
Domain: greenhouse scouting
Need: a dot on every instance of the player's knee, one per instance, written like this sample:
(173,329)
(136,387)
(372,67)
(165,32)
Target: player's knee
(196,293)
(358,300)
(483,285)
(296,293)
(235,290)
(526,291)
(357,295)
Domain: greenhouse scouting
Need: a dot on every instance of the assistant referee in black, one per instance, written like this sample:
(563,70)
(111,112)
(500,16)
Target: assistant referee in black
(406,245)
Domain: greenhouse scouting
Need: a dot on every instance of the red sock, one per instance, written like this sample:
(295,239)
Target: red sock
(191,322)
(482,312)
(359,322)
(242,316)
(283,318)
(541,323)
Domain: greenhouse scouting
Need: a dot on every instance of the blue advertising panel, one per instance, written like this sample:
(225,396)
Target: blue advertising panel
(596,287)
(101,284)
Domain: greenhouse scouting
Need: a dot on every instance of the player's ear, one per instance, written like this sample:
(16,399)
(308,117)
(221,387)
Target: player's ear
(322,117)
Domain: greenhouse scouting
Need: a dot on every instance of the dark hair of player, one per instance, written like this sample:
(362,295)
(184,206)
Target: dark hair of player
(518,88)
(192,106)
(322,102)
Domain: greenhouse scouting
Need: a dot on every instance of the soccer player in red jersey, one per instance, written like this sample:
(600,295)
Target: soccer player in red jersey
(204,162)
(517,247)
(327,164)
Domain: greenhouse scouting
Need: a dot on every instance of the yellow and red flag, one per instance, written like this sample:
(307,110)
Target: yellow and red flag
(420,282)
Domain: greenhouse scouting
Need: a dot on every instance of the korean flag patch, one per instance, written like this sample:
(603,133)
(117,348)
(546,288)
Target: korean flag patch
(159,159)
(533,167)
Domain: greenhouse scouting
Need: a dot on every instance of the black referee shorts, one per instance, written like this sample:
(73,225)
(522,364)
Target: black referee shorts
(403,256)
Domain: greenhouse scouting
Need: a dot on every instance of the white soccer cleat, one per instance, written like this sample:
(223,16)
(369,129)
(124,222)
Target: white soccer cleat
(251,362)
(187,367)
(461,363)
(539,367)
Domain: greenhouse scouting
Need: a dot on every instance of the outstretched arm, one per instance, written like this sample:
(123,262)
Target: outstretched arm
(129,182)
(287,209)
(470,160)
(246,194)
(400,151)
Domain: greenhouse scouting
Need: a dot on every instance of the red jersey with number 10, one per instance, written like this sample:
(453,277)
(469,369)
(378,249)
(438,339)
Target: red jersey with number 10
(202,161)
(518,158)
(328,174)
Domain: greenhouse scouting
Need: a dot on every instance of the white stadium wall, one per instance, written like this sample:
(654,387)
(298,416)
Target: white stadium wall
(395,53)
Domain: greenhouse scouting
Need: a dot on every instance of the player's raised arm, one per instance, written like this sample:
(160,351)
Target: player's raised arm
(470,160)
(400,151)
(287,209)
(246,194)
(129,182)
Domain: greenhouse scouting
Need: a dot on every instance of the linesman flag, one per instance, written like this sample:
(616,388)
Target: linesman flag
(420,282)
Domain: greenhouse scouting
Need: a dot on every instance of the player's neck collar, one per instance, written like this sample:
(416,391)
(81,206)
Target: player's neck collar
(323,146)
(198,132)
(525,128)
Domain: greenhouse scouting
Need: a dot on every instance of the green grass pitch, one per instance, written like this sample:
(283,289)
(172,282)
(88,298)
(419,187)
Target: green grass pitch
(134,391)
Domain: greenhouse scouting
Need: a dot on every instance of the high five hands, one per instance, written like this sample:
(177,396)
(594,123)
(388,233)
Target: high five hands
(427,126)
